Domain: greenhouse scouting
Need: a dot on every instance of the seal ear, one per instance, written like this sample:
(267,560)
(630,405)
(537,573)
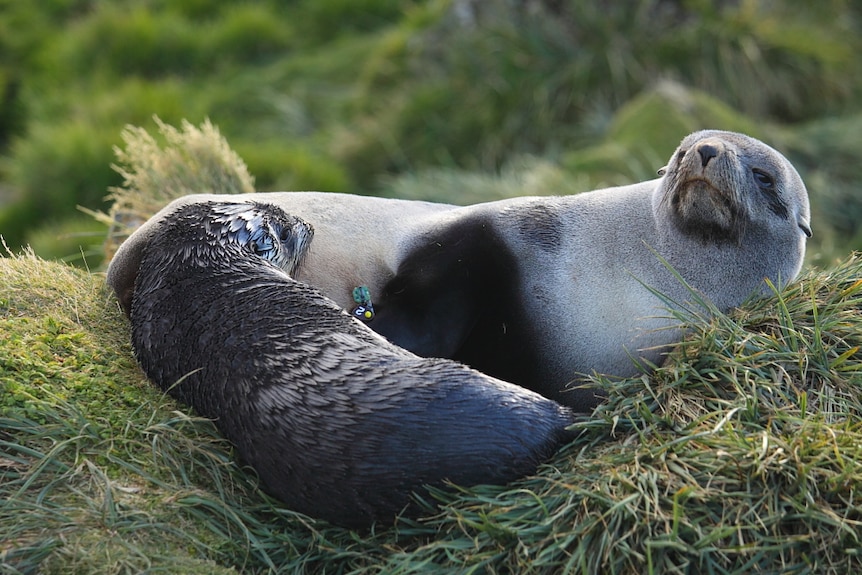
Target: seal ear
(804,226)
(662,171)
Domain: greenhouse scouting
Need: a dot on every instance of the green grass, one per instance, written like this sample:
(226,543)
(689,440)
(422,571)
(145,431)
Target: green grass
(99,472)
(743,453)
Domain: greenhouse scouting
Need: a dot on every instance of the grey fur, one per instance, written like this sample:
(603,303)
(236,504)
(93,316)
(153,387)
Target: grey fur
(337,422)
(566,294)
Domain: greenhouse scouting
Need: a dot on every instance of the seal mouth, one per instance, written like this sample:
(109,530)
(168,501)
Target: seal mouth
(698,194)
(704,210)
(696,186)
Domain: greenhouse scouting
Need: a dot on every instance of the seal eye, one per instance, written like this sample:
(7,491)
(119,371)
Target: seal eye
(764,180)
(284,235)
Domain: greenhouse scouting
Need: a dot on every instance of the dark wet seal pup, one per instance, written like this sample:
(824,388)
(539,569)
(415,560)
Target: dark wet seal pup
(538,290)
(338,423)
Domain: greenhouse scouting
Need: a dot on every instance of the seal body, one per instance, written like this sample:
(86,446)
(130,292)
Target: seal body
(541,290)
(337,422)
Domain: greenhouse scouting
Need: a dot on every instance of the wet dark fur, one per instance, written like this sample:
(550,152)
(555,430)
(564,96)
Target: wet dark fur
(337,422)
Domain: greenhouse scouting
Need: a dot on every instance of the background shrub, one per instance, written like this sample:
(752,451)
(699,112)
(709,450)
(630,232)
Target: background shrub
(362,96)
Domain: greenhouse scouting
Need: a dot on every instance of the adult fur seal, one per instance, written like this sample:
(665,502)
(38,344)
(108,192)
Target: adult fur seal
(538,290)
(337,422)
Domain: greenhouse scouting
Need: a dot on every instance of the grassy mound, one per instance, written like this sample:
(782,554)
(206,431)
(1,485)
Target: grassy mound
(743,453)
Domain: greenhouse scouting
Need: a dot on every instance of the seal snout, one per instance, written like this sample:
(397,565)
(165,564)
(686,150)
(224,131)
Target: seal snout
(706,151)
(707,164)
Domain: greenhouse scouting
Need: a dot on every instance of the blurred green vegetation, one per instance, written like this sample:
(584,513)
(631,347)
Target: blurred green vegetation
(451,100)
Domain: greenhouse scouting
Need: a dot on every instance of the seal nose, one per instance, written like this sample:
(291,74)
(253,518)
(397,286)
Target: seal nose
(706,152)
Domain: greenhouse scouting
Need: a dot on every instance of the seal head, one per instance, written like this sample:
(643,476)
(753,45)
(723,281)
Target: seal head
(254,228)
(720,183)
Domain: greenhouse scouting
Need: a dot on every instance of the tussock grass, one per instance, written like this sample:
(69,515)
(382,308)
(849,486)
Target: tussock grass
(189,160)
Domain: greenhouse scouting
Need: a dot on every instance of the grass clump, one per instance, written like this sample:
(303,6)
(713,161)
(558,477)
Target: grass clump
(191,160)
(744,452)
